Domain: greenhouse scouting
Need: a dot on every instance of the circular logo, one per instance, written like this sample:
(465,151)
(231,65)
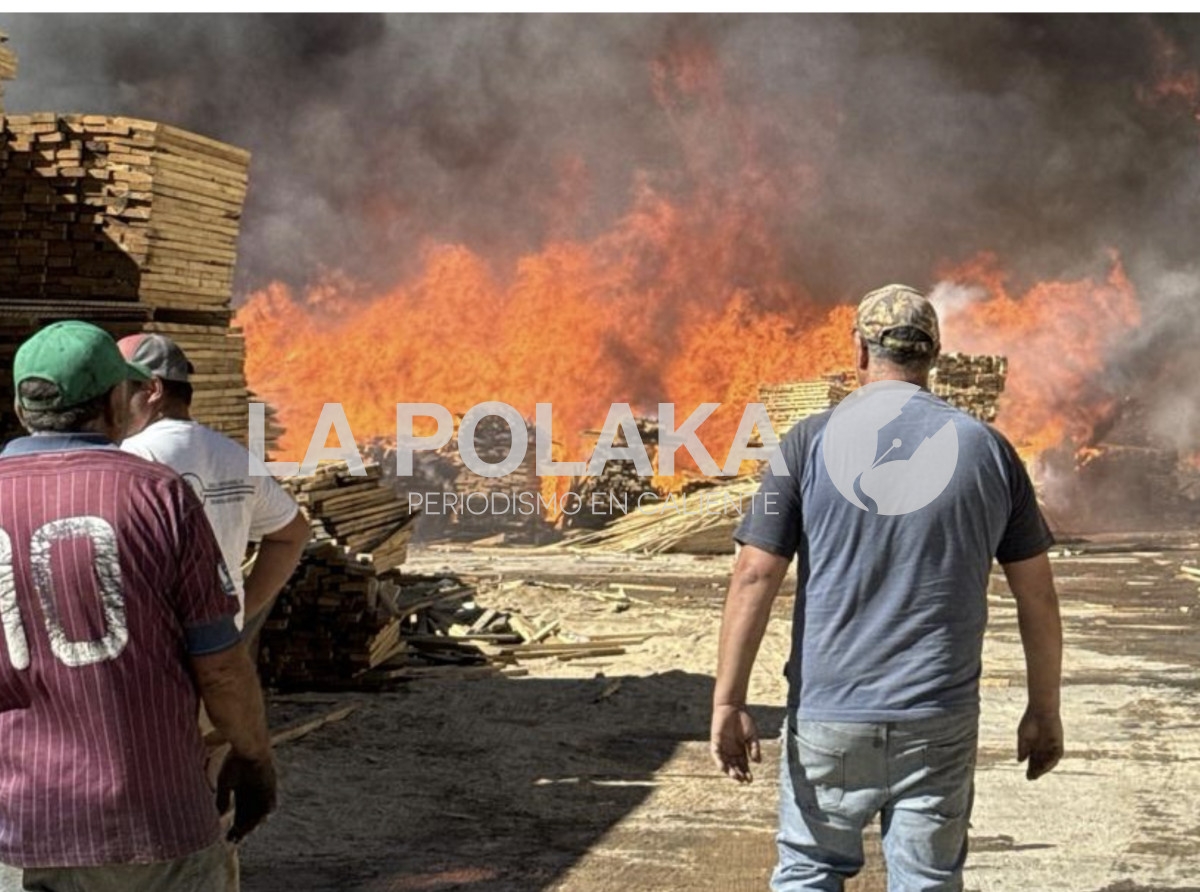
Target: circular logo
(865,429)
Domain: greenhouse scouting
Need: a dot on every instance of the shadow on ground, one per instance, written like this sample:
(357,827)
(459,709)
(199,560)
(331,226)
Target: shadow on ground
(497,784)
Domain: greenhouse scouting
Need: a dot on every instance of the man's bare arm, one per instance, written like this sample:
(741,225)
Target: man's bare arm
(278,554)
(1040,736)
(757,576)
(232,697)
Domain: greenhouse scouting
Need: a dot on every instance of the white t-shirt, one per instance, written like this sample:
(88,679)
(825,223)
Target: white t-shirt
(241,507)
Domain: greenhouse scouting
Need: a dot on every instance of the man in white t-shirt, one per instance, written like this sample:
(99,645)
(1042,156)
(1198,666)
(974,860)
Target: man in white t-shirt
(241,507)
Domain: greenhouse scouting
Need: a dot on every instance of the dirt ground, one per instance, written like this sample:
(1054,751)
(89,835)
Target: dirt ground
(594,775)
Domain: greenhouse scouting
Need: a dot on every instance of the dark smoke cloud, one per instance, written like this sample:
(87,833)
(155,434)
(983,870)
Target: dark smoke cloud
(928,138)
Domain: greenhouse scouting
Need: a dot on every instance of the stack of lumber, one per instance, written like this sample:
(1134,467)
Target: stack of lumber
(338,619)
(359,513)
(132,225)
(321,627)
(698,522)
(8,66)
(121,208)
(971,382)
(616,489)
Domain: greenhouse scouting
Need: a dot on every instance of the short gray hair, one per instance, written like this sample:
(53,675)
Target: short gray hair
(58,421)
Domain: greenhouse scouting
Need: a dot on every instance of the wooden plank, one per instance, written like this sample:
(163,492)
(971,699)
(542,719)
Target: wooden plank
(295,732)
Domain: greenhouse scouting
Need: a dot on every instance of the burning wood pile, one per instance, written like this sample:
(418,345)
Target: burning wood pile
(970,382)
(479,504)
(619,487)
(492,441)
(129,224)
(1130,475)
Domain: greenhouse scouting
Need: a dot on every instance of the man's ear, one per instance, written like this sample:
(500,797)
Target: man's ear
(156,392)
(862,353)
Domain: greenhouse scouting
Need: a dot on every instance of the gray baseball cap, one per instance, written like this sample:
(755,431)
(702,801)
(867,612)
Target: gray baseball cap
(159,355)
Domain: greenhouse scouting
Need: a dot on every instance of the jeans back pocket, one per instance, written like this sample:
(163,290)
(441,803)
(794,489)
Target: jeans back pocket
(821,770)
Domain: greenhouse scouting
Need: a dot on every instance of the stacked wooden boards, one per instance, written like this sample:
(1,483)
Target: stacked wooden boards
(130,224)
(351,618)
(790,402)
(361,513)
(971,382)
(321,629)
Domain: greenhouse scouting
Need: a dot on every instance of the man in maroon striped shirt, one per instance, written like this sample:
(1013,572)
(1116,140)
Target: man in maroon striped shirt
(117,613)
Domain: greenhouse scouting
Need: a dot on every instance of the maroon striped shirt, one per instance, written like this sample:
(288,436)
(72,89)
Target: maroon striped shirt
(107,570)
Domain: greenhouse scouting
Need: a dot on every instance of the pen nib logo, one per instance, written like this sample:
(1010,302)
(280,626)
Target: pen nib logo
(880,471)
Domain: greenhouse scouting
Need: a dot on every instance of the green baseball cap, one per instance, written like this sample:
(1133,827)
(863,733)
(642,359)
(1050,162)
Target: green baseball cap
(81,360)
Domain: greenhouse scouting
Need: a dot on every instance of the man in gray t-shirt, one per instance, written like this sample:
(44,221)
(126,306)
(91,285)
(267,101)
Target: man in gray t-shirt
(894,505)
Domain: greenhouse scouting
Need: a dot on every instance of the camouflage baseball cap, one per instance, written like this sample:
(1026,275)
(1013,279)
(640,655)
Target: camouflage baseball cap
(886,310)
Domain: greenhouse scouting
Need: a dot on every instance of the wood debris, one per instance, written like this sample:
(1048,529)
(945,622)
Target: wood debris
(700,522)
(350,617)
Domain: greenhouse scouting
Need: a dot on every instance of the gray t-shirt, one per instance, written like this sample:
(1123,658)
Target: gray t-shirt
(890,609)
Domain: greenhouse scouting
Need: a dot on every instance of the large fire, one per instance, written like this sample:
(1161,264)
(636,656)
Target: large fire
(686,298)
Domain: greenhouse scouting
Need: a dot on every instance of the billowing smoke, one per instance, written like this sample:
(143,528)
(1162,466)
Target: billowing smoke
(897,142)
(886,147)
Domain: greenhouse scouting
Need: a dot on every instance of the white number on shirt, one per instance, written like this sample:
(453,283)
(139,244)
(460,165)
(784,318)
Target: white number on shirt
(106,570)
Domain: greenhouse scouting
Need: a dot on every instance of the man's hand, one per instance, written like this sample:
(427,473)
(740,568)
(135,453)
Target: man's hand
(1040,740)
(734,742)
(251,783)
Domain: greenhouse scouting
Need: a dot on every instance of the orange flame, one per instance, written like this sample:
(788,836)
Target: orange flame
(1058,337)
(685,299)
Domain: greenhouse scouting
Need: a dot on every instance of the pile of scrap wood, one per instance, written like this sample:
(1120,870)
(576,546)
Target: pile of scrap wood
(129,224)
(342,625)
(618,488)
(436,633)
(971,382)
(700,520)
(1129,476)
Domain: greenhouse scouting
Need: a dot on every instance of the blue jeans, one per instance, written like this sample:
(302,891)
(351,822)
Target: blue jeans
(918,775)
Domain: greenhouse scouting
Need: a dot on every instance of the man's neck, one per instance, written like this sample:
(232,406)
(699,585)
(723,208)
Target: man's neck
(873,376)
(175,413)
